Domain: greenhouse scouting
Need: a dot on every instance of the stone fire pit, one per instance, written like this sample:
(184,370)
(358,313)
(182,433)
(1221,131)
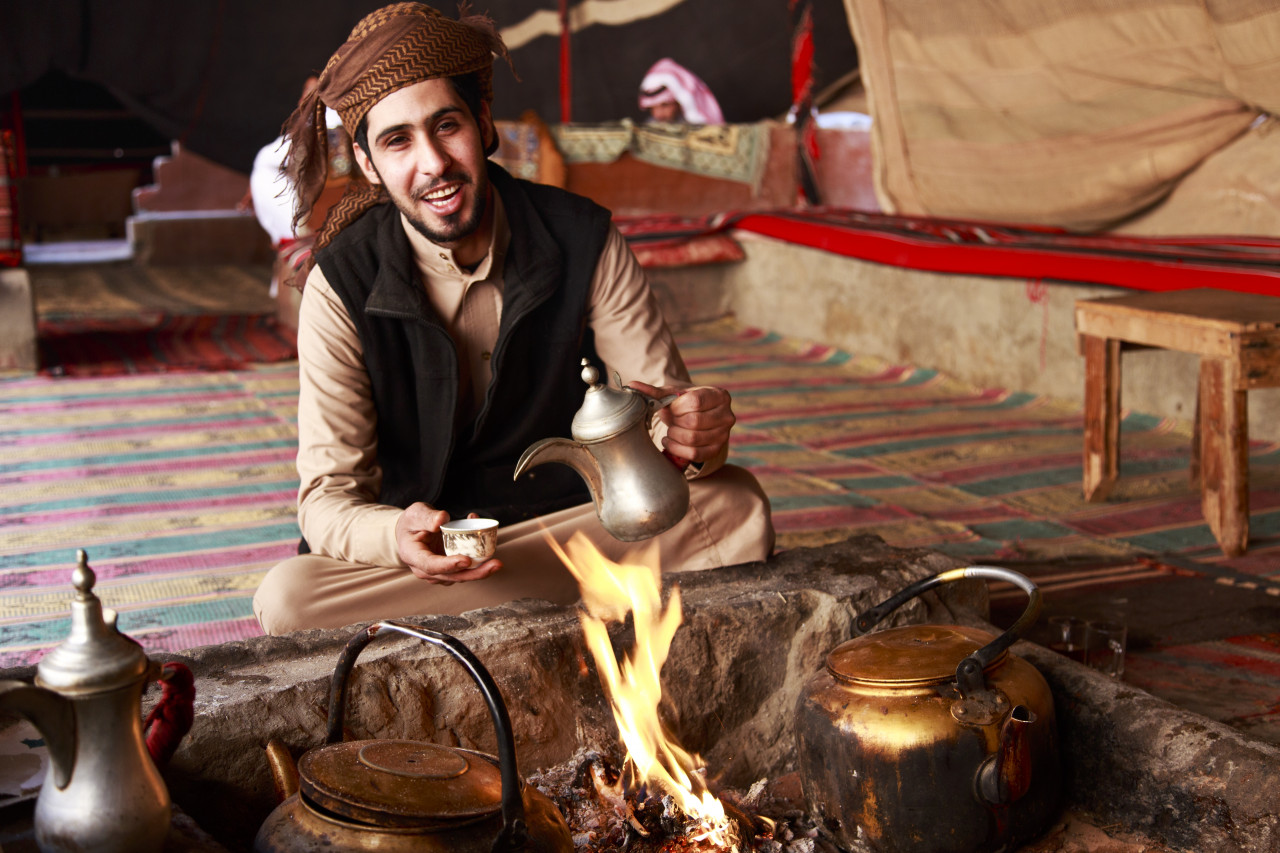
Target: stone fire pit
(751,638)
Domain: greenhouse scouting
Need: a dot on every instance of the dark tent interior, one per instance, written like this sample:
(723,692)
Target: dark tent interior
(222,77)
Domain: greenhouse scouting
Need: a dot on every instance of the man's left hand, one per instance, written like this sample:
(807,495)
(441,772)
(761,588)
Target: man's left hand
(698,421)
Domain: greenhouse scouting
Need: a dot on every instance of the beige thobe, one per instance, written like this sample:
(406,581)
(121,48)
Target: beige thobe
(355,572)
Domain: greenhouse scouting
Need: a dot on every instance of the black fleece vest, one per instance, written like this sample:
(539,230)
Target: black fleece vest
(556,240)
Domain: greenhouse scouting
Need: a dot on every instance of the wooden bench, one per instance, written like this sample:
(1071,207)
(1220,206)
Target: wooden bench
(1236,335)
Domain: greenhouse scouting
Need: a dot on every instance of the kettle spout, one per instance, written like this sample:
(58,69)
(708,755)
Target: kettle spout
(53,715)
(571,453)
(284,771)
(1005,776)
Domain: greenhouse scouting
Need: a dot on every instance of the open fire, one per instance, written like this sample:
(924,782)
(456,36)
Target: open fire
(653,760)
(651,795)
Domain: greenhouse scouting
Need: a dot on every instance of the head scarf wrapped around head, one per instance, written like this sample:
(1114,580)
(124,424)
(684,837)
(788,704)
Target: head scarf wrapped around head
(668,80)
(391,48)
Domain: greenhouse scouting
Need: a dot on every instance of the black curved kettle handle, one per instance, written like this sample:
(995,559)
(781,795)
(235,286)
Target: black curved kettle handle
(969,673)
(515,830)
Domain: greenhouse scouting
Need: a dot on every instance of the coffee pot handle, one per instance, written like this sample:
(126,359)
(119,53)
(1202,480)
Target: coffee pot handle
(514,834)
(969,673)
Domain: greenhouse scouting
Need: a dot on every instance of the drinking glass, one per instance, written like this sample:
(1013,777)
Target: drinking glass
(1104,647)
(1066,636)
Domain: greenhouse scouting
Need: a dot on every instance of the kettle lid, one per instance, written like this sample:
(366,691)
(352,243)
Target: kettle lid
(605,411)
(95,657)
(909,656)
(404,783)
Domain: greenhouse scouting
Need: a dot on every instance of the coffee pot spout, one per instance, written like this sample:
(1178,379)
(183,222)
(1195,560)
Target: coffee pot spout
(571,453)
(54,716)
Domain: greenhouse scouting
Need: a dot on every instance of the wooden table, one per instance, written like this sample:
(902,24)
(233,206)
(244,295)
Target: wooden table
(1236,335)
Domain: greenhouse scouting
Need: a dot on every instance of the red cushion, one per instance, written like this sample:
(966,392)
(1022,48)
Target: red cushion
(706,249)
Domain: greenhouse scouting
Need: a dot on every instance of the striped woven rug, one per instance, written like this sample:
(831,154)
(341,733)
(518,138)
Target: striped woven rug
(181,488)
(844,444)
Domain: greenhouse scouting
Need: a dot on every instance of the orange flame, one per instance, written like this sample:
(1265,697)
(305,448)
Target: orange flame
(609,591)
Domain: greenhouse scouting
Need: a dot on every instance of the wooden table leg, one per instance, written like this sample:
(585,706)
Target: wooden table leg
(1194,465)
(1224,454)
(1101,415)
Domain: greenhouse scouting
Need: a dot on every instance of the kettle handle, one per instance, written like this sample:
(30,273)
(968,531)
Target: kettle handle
(969,673)
(515,832)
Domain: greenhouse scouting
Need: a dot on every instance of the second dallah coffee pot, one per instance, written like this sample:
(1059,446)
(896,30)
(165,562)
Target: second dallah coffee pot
(637,491)
(102,792)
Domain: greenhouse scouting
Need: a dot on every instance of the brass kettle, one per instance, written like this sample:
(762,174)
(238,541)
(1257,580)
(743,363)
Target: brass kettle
(103,792)
(637,491)
(405,795)
(931,738)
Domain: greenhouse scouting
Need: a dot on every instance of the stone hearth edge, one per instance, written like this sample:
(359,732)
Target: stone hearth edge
(752,636)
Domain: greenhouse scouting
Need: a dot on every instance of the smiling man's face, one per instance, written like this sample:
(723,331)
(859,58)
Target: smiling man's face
(427,149)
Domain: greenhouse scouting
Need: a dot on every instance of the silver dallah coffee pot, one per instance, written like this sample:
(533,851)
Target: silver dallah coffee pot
(102,793)
(637,491)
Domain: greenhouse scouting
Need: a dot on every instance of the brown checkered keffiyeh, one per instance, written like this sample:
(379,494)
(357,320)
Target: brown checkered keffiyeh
(391,48)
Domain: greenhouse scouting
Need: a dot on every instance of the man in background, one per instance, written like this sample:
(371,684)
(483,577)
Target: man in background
(672,93)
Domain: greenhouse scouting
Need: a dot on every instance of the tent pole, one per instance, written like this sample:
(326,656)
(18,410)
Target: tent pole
(566,89)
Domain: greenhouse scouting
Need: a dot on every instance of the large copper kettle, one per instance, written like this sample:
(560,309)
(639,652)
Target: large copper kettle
(405,795)
(931,738)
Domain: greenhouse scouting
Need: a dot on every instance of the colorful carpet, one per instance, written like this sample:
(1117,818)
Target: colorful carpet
(181,488)
(845,444)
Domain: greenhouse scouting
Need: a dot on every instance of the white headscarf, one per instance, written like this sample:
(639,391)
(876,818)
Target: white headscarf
(669,81)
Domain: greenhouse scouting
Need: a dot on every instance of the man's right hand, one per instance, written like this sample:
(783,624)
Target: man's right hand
(421,548)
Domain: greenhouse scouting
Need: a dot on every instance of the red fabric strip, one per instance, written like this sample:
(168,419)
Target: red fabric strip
(1073,260)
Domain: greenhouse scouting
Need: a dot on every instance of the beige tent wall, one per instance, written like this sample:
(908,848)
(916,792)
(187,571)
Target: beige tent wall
(1083,114)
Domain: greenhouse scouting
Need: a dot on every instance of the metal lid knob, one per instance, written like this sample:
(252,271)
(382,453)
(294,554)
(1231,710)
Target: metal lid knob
(606,411)
(95,657)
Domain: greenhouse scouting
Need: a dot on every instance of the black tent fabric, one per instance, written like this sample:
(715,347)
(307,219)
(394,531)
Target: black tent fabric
(222,76)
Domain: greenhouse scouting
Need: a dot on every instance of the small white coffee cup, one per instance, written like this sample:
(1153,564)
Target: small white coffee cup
(476,538)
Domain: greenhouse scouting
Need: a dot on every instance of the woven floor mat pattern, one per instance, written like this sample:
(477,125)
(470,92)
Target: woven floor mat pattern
(181,489)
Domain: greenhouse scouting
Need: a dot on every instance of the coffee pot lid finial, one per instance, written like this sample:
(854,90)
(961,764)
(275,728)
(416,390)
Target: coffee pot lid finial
(605,411)
(95,657)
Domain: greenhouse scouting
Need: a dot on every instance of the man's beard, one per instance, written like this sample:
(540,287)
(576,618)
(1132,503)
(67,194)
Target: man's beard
(455,226)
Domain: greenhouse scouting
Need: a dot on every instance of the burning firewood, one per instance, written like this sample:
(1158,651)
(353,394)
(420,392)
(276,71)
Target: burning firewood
(606,814)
